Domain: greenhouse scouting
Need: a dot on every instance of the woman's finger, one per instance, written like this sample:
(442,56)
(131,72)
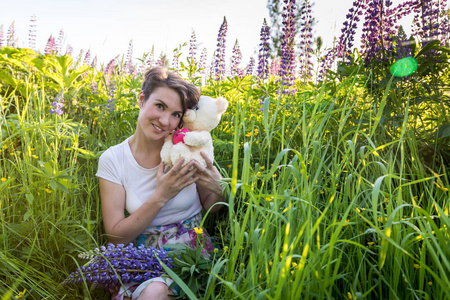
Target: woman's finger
(208,161)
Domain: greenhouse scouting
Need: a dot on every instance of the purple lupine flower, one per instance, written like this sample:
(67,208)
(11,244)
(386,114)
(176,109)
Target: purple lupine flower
(326,63)
(150,62)
(430,21)
(79,60)
(219,62)
(306,65)
(58,104)
(59,43)
(111,95)
(109,70)
(94,63)
(87,58)
(202,63)
(345,42)
(264,52)
(128,63)
(69,50)
(236,58)
(1,35)
(10,40)
(193,48)
(371,38)
(130,263)
(94,87)
(250,67)
(176,59)
(50,48)
(162,60)
(287,47)
(32,33)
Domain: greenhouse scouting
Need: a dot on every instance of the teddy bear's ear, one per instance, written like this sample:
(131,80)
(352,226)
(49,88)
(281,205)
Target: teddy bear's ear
(189,116)
(222,105)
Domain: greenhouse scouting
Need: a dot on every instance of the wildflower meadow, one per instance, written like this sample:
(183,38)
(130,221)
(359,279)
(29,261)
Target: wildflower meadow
(335,167)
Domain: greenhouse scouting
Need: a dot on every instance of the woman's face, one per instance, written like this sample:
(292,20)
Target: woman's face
(160,114)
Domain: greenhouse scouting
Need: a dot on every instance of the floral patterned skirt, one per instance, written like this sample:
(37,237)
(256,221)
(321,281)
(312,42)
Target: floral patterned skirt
(157,237)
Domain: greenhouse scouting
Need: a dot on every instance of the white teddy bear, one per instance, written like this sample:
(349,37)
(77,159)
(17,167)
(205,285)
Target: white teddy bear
(195,136)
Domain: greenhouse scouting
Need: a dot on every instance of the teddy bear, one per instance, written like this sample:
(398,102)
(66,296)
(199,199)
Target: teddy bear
(195,136)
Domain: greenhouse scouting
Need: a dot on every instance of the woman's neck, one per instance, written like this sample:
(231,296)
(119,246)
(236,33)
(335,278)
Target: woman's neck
(146,152)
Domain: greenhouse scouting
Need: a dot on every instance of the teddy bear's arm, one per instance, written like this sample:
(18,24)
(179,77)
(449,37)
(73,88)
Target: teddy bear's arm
(197,138)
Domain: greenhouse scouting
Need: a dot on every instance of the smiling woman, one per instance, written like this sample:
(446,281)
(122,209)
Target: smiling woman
(164,205)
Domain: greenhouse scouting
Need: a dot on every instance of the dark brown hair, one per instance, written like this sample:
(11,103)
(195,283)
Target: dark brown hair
(161,77)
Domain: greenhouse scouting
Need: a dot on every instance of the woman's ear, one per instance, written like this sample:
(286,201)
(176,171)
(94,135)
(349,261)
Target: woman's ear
(141,99)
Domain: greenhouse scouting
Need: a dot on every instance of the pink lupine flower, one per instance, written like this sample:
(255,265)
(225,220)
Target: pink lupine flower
(50,48)
(1,35)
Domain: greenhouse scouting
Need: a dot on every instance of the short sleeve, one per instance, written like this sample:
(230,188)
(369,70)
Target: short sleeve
(109,167)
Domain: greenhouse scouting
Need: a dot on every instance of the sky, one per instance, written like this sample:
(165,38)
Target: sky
(107,26)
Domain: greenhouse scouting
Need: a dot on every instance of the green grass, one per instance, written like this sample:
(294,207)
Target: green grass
(324,200)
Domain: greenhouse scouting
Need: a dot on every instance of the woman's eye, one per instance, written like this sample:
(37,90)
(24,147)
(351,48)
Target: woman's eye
(177,115)
(160,106)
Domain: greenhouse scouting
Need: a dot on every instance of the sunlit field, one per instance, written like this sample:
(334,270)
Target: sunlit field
(336,172)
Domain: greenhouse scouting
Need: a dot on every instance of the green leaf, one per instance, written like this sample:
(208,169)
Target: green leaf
(30,198)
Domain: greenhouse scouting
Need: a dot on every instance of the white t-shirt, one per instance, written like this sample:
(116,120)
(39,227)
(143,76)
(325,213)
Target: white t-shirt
(118,165)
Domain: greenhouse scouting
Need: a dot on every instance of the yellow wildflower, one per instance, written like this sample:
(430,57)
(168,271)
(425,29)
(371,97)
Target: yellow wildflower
(34,156)
(349,295)
(268,199)
(48,191)
(262,167)
(21,294)
(370,243)
(358,210)
(270,263)
(198,230)
(3,179)
(274,175)
(229,166)
(417,266)
(430,283)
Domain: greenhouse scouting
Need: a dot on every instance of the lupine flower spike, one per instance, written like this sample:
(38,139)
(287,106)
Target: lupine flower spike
(32,33)
(193,48)
(60,42)
(112,265)
(69,50)
(236,58)
(58,104)
(202,63)
(250,67)
(50,48)
(1,35)
(287,47)
(219,62)
(306,65)
(264,52)
(128,63)
(10,40)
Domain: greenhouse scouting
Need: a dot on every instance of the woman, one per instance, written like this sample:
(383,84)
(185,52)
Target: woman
(163,205)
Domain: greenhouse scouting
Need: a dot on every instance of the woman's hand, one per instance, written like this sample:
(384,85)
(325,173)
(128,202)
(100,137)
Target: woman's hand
(208,186)
(208,176)
(169,184)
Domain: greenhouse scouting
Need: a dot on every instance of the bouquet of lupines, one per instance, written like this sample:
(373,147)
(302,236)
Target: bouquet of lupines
(112,266)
